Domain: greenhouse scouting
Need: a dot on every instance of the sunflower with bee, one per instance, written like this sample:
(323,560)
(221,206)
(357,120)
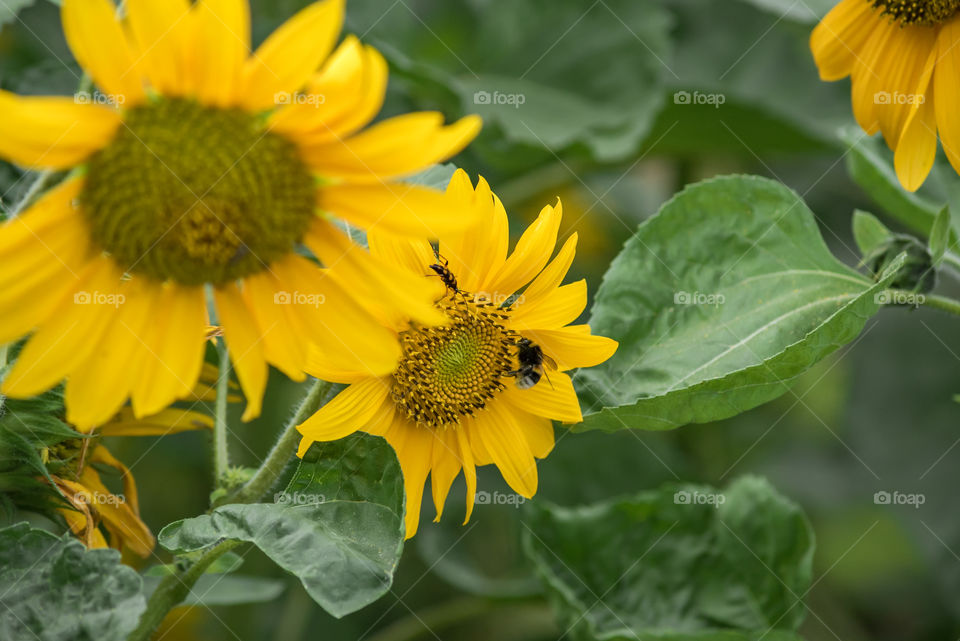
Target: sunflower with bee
(484,387)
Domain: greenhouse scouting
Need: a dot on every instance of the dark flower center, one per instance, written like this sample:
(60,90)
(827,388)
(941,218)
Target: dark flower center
(918,12)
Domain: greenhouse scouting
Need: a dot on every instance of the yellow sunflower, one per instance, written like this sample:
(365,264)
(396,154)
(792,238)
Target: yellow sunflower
(91,505)
(896,53)
(460,396)
(200,166)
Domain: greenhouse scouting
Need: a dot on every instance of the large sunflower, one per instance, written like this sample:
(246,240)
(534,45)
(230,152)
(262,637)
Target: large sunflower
(903,57)
(200,165)
(455,400)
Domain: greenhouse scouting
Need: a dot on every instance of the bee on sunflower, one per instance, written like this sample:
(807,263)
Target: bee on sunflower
(202,169)
(485,386)
(904,64)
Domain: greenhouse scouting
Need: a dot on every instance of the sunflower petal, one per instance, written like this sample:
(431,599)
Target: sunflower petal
(168,421)
(532,252)
(556,309)
(222,43)
(414,448)
(552,275)
(244,341)
(500,433)
(478,253)
(162,31)
(571,347)
(839,37)
(348,412)
(444,466)
(946,82)
(553,397)
(469,469)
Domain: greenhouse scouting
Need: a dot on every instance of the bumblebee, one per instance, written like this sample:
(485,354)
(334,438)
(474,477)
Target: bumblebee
(531,359)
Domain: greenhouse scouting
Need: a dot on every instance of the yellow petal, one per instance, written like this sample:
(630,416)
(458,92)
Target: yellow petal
(118,514)
(477,253)
(395,147)
(836,42)
(262,294)
(870,76)
(102,455)
(553,397)
(221,46)
(100,46)
(414,448)
(348,412)
(532,252)
(469,469)
(444,466)
(168,421)
(52,132)
(291,54)
(539,433)
(551,277)
(402,294)
(558,308)
(504,440)
(171,352)
(399,208)
(380,424)
(946,84)
(414,255)
(917,148)
(245,345)
(161,32)
(571,347)
(69,336)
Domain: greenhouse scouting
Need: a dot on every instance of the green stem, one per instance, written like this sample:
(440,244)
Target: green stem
(282,451)
(953,261)
(933,301)
(174,588)
(221,456)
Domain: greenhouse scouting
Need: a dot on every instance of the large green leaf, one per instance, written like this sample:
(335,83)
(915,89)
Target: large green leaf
(338,526)
(681,563)
(558,74)
(54,588)
(718,301)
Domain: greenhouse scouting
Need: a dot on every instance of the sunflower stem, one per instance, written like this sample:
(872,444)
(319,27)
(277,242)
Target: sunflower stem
(283,450)
(943,303)
(221,456)
(174,588)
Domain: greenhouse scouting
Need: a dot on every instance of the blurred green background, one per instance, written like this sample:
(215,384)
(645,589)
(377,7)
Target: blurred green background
(594,102)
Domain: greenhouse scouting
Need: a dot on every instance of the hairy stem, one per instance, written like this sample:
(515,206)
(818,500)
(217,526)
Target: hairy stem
(174,588)
(282,451)
(221,456)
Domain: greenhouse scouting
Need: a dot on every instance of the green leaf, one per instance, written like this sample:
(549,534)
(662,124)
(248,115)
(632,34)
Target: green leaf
(55,588)
(338,526)
(213,589)
(718,301)
(869,232)
(551,74)
(682,563)
(940,236)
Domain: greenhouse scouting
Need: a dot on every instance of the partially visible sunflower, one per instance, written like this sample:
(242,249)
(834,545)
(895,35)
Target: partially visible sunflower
(200,165)
(92,505)
(453,401)
(903,57)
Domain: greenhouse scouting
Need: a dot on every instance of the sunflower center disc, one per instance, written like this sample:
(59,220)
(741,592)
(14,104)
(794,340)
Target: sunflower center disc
(451,371)
(196,194)
(918,12)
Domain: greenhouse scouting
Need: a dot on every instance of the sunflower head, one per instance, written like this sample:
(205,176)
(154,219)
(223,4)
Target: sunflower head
(918,12)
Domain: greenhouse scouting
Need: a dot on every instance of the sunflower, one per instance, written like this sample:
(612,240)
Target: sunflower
(457,399)
(896,53)
(201,172)
(92,509)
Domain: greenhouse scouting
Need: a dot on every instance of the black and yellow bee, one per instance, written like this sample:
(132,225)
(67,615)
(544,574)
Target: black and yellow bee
(531,360)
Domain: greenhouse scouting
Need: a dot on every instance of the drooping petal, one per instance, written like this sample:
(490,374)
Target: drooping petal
(168,421)
(245,345)
(100,46)
(291,54)
(444,466)
(414,448)
(917,148)
(946,84)
(469,469)
(508,447)
(52,132)
(348,412)
(102,455)
(117,514)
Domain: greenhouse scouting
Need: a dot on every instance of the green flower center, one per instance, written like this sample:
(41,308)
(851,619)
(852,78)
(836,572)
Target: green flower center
(918,12)
(451,371)
(196,194)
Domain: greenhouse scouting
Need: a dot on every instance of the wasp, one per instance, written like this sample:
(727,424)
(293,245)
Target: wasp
(531,359)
